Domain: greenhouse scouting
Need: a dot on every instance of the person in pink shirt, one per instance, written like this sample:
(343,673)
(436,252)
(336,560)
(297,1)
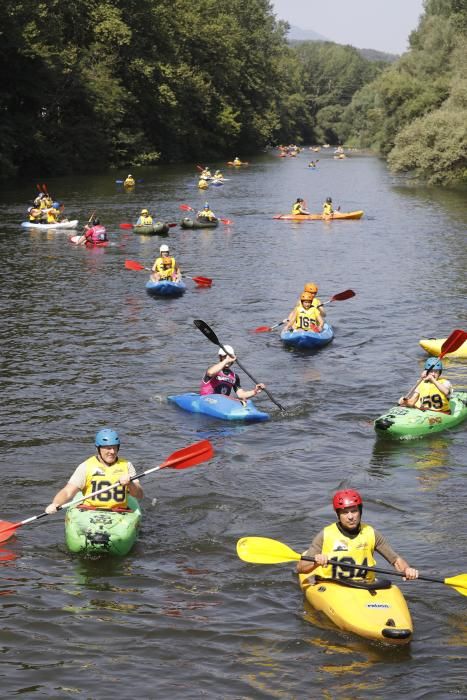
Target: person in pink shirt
(221,379)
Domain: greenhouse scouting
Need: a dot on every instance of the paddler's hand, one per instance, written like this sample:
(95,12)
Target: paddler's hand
(125,480)
(410,574)
(258,389)
(51,509)
(321,559)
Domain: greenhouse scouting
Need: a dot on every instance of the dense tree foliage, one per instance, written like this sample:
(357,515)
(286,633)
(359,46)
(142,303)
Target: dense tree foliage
(415,112)
(93,83)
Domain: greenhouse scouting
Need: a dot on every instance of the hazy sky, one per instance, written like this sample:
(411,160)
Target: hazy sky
(384,25)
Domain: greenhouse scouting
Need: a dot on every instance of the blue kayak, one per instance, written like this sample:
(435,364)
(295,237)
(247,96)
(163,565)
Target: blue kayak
(219,406)
(306,340)
(165,288)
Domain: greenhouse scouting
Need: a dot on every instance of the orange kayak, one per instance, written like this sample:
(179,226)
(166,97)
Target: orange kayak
(319,217)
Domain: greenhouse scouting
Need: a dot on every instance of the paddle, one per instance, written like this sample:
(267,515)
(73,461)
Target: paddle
(181,459)
(451,344)
(120,182)
(185,207)
(130,227)
(200,281)
(341,296)
(263,550)
(210,335)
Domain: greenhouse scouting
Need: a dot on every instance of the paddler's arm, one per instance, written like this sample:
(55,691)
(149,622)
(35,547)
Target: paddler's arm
(383,547)
(219,366)
(67,493)
(314,550)
(291,319)
(244,395)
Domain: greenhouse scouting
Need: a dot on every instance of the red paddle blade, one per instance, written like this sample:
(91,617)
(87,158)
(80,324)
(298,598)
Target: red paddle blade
(189,456)
(7,530)
(126,227)
(185,207)
(202,281)
(262,329)
(348,294)
(200,167)
(226,221)
(44,189)
(133,265)
(172,225)
(453,342)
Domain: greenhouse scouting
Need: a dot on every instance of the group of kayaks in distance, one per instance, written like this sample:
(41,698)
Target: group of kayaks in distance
(372,608)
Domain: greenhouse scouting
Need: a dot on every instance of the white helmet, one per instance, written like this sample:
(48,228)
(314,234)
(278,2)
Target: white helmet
(164,248)
(230,351)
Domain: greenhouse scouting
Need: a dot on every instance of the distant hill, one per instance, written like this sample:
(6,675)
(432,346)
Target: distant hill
(297,35)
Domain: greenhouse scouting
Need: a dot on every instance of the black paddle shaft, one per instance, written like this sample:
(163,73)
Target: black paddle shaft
(210,335)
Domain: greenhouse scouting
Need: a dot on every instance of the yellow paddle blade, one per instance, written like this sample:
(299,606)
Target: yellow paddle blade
(458,582)
(262,550)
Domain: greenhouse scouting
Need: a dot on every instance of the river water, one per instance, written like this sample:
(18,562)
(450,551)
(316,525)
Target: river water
(83,346)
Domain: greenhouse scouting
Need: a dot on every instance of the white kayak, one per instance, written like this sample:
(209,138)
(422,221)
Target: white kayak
(62,224)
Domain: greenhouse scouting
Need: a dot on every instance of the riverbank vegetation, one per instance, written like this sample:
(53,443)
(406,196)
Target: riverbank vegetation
(99,83)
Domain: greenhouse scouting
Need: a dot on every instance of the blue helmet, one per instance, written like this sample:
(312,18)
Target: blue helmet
(206,205)
(433,364)
(57,205)
(107,437)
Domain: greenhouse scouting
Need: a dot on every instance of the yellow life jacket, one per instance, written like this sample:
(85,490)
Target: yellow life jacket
(305,318)
(430,397)
(166,273)
(327,209)
(297,208)
(98,476)
(203,185)
(52,216)
(129,181)
(357,550)
(145,220)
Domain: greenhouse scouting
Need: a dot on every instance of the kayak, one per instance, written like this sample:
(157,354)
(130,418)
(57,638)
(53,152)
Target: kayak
(306,340)
(219,406)
(88,244)
(196,223)
(376,610)
(433,347)
(164,288)
(337,216)
(159,228)
(100,531)
(405,423)
(237,165)
(62,224)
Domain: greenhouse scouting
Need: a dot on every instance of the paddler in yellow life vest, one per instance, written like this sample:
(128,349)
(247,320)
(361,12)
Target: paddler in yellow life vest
(165,267)
(206,173)
(431,393)
(203,184)
(299,207)
(104,469)
(145,218)
(53,213)
(328,209)
(237,161)
(351,541)
(312,289)
(129,181)
(34,215)
(218,175)
(305,316)
(206,214)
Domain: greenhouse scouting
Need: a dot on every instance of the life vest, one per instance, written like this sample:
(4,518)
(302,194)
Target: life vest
(203,185)
(129,182)
(98,476)
(327,209)
(430,397)
(166,273)
(144,220)
(96,234)
(350,550)
(35,215)
(306,318)
(222,383)
(206,215)
(297,208)
(52,216)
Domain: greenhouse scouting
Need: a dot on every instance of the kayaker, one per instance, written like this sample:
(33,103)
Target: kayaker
(145,218)
(237,161)
(305,316)
(129,181)
(94,233)
(328,209)
(165,267)
(34,215)
(218,175)
(432,392)
(312,289)
(203,184)
(99,471)
(206,173)
(299,207)
(53,213)
(221,379)
(351,540)
(206,214)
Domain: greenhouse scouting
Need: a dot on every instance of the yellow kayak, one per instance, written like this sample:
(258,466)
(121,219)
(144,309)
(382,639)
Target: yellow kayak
(433,347)
(377,611)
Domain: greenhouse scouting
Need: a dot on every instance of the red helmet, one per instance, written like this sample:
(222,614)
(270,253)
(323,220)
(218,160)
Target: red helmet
(344,499)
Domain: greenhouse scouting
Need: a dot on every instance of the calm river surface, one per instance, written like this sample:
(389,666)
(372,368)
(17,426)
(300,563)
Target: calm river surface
(83,346)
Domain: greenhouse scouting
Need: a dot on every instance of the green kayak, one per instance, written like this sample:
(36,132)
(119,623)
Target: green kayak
(159,228)
(100,531)
(406,423)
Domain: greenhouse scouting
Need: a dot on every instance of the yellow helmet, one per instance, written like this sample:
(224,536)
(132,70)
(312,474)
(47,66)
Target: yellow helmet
(310,287)
(144,211)
(306,296)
